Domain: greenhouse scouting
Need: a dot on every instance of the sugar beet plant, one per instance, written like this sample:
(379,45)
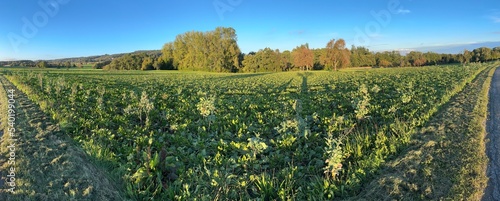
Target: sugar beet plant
(187,136)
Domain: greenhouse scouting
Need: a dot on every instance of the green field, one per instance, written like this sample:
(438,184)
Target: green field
(206,136)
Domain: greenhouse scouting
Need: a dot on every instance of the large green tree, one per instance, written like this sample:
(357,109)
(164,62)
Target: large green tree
(286,61)
(416,58)
(390,59)
(166,61)
(42,64)
(147,63)
(482,54)
(362,57)
(250,62)
(215,51)
(432,58)
(496,53)
(133,61)
(265,60)
(465,57)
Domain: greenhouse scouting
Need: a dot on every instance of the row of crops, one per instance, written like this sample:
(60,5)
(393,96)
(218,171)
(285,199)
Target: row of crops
(186,136)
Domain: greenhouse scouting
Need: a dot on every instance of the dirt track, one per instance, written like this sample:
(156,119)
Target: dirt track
(493,146)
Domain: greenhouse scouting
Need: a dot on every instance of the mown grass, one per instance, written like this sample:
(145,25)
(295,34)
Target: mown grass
(446,159)
(49,165)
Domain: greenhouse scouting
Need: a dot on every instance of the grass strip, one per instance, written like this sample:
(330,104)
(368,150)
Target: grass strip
(446,158)
(48,164)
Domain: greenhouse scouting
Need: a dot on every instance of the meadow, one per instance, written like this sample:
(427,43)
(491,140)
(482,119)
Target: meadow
(203,136)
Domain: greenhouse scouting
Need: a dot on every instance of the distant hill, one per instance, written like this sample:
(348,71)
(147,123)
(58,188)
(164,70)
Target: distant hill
(80,60)
(457,48)
(106,57)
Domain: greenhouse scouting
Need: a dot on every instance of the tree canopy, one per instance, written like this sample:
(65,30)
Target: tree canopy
(215,51)
(303,57)
(336,54)
(218,51)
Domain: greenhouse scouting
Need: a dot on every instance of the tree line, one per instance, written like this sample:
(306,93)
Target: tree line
(38,64)
(218,51)
(137,61)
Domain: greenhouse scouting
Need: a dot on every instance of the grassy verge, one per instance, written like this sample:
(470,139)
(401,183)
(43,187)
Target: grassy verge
(446,159)
(48,165)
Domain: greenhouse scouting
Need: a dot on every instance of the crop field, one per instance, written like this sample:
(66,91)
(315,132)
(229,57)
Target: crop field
(200,136)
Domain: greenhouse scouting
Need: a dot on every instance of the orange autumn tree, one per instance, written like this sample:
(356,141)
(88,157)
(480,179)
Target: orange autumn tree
(336,55)
(303,57)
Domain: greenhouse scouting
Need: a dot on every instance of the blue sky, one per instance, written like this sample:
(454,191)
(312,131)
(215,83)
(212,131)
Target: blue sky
(72,28)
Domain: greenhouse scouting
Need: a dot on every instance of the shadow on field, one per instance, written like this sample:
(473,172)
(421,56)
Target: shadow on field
(284,86)
(241,76)
(304,88)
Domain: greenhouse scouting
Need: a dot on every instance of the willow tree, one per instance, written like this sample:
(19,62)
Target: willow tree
(212,51)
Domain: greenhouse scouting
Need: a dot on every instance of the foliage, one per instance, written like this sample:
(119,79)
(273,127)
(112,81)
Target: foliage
(100,65)
(215,51)
(416,58)
(42,64)
(140,61)
(465,57)
(336,54)
(362,57)
(187,136)
(265,60)
(303,57)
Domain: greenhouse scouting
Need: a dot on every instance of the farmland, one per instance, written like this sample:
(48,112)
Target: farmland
(294,135)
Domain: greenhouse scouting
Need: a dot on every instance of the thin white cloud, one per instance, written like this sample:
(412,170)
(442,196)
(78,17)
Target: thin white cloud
(405,51)
(376,36)
(449,44)
(495,19)
(403,11)
(9,59)
(297,32)
(494,16)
